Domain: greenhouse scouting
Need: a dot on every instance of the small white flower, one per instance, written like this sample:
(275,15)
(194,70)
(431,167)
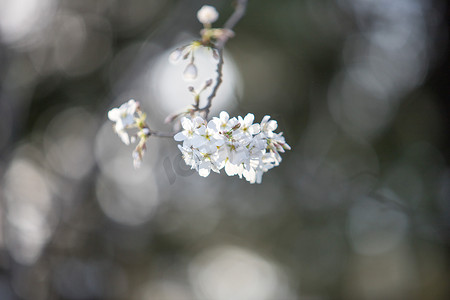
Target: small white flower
(208,163)
(123,117)
(204,139)
(207,14)
(247,129)
(278,142)
(267,127)
(190,130)
(190,158)
(233,154)
(224,123)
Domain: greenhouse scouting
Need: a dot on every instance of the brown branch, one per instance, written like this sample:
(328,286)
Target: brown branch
(216,86)
(239,12)
(161,134)
(237,15)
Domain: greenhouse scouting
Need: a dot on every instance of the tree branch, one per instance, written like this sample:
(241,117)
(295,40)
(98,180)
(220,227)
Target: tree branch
(216,86)
(237,15)
(239,12)
(161,134)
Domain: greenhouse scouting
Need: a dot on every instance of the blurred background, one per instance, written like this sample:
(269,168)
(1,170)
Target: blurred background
(359,209)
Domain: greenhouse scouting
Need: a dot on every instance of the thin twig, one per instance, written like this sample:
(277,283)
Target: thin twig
(216,86)
(161,134)
(238,13)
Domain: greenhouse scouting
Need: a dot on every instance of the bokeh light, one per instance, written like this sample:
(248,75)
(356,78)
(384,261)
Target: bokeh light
(29,206)
(170,90)
(230,272)
(22,19)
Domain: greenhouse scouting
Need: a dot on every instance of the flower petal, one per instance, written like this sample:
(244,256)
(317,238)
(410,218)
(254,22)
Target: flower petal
(114,114)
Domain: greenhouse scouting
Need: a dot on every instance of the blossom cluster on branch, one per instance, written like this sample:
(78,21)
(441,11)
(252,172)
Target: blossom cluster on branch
(130,116)
(237,145)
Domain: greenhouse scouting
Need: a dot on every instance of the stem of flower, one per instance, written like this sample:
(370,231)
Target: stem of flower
(206,108)
(238,13)
(161,134)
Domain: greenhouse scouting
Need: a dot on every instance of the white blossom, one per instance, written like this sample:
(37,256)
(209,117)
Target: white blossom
(268,126)
(176,55)
(130,116)
(189,157)
(209,162)
(224,123)
(247,128)
(207,14)
(189,132)
(247,125)
(237,145)
(123,117)
(208,137)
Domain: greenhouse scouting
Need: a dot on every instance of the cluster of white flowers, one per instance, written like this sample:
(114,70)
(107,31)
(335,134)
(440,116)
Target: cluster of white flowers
(236,144)
(123,117)
(127,116)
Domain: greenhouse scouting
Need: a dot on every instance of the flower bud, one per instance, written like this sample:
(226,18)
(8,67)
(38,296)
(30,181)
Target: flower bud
(137,158)
(175,56)
(207,14)
(190,73)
